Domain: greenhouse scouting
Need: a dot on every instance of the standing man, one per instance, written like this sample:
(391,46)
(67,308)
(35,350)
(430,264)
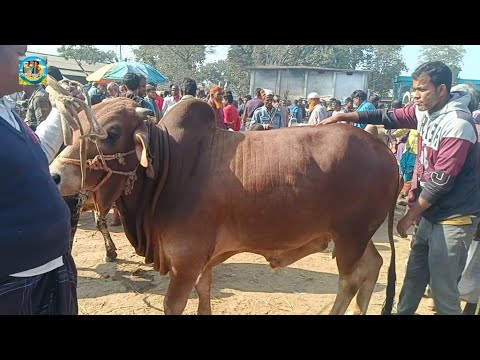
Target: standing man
(38,107)
(360,100)
(142,88)
(283,110)
(215,101)
(241,108)
(295,112)
(268,115)
(445,194)
(150,98)
(171,99)
(134,85)
(374,100)
(113,90)
(37,272)
(348,108)
(337,107)
(189,91)
(251,106)
(317,111)
(230,113)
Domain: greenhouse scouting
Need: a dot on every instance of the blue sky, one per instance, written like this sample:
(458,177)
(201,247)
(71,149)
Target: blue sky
(470,68)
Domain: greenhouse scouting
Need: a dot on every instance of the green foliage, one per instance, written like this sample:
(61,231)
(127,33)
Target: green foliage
(86,54)
(452,55)
(175,61)
(385,62)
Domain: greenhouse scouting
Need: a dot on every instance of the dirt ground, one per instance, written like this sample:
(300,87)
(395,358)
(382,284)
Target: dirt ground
(244,284)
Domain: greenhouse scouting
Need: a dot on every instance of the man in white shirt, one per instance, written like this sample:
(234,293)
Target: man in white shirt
(172,99)
(318,112)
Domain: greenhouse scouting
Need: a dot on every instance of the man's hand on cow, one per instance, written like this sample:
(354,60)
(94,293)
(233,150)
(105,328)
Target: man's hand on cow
(330,120)
(347,117)
(404,224)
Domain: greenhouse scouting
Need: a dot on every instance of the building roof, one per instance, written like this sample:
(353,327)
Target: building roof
(69,68)
(303,68)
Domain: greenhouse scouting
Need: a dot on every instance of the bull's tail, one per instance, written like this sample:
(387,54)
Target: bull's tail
(392,275)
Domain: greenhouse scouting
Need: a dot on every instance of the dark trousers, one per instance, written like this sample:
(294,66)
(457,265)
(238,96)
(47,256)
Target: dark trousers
(52,293)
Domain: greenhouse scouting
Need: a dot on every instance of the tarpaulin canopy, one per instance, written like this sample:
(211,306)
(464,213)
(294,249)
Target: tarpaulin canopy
(116,72)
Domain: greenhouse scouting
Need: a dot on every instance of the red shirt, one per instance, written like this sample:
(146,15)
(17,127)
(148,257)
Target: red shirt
(230,115)
(218,115)
(159,101)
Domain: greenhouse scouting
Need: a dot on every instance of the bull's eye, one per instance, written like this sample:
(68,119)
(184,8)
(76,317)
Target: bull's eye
(114,134)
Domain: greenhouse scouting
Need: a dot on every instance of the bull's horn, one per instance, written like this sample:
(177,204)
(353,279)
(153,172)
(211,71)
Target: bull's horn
(143,113)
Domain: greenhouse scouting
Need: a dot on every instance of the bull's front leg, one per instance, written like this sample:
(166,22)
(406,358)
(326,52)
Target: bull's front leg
(101,223)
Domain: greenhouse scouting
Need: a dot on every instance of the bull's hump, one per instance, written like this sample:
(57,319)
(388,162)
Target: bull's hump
(191,115)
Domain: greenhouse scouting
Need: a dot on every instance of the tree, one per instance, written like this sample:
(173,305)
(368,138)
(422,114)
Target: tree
(452,55)
(213,73)
(385,62)
(88,54)
(175,61)
(240,57)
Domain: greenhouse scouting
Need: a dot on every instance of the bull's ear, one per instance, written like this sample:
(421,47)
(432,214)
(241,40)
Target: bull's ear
(141,147)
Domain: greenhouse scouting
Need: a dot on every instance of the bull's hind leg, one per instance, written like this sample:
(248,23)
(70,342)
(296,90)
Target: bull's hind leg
(371,262)
(101,223)
(203,288)
(348,285)
(351,276)
(179,289)
(116,218)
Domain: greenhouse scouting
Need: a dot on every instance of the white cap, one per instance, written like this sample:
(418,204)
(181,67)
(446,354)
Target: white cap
(313,95)
(268,92)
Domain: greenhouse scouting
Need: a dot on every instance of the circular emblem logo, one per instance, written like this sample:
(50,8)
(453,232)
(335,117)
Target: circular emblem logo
(33,71)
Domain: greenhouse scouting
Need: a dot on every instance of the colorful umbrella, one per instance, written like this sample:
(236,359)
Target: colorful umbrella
(116,72)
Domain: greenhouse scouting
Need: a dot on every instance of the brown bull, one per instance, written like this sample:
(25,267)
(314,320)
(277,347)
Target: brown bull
(203,195)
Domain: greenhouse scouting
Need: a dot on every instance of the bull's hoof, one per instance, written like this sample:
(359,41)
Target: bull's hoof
(111,256)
